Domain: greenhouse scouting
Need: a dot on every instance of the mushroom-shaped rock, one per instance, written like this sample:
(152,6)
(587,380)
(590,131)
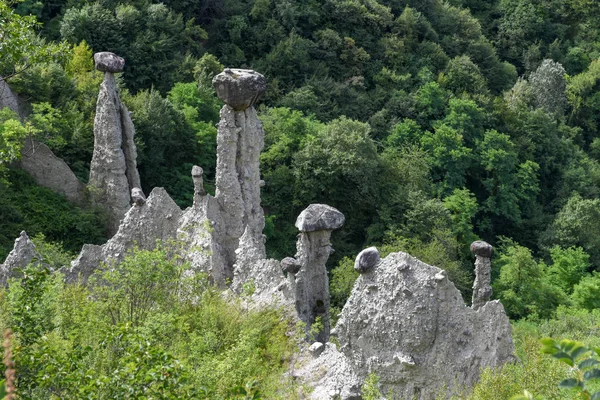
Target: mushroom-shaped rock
(239,88)
(366,260)
(290,265)
(109,62)
(197,173)
(482,249)
(138,196)
(319,217)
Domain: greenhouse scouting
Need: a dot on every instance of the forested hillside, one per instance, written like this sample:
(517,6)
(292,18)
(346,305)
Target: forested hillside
(428,123)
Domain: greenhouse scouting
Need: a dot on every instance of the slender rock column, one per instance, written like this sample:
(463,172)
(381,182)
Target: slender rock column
(313,247)
(482,288)
(240,139)
(113,171)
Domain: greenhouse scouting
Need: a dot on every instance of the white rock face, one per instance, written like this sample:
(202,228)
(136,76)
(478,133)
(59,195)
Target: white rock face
(50,171)
(407,322)
(20,256)
(113,170)
(156,219)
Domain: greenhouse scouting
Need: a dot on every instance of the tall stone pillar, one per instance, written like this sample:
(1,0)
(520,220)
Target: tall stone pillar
(240,139)
(113,171)
(482,286)
(313,247)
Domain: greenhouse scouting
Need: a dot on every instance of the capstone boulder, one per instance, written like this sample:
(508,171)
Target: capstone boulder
(106,61)
(239,88)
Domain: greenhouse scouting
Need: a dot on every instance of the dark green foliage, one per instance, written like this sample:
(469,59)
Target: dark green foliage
(26,206)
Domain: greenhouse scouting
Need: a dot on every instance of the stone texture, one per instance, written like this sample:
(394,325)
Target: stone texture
(157,219)
(197,177)
(316,348)
(482,286)
(50,171)
(113,171)
(329,376)
(406,322)
(366,260)
(106,61)
(482,249)
(319,217)
(9,99)
(21,255)
(238,232)
(313,249)
(239,88)
(290,265)
(138,197)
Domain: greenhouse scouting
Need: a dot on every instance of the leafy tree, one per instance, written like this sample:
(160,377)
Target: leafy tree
(568,267)
(523,286)
(448,157)
(463,76)
(548,86)
(338,166)
(576,225)
(585,293)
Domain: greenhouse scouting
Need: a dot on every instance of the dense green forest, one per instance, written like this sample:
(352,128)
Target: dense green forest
(428,123)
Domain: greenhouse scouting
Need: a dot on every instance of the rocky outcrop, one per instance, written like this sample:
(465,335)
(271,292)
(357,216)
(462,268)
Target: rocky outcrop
(50,171)
(9,99)
(21,255)
(156,219)
(240,139)
(406,322)
(482,286)
(113,170)
(313,247)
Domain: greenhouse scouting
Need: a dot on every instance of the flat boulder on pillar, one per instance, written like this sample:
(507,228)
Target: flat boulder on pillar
(319,217)
(109,62)
(239,88)
(482,249)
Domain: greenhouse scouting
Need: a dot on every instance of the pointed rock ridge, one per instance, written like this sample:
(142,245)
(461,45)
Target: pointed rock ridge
(482,286)
(49,171)
(20,256)
(113,170)
(240,139)
(156,219)
(313,248)
(407,323)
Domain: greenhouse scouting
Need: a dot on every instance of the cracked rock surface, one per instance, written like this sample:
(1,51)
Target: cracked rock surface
(408,323)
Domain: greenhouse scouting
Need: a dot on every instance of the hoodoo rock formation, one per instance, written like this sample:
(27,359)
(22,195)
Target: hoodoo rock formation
(404,321)
(240,139)
(113,171)
(315,224)
(482,286)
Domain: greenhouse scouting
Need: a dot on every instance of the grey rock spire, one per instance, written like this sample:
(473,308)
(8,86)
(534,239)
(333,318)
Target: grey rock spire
(313,248)
(240,139)
(482,287)
(113,170)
